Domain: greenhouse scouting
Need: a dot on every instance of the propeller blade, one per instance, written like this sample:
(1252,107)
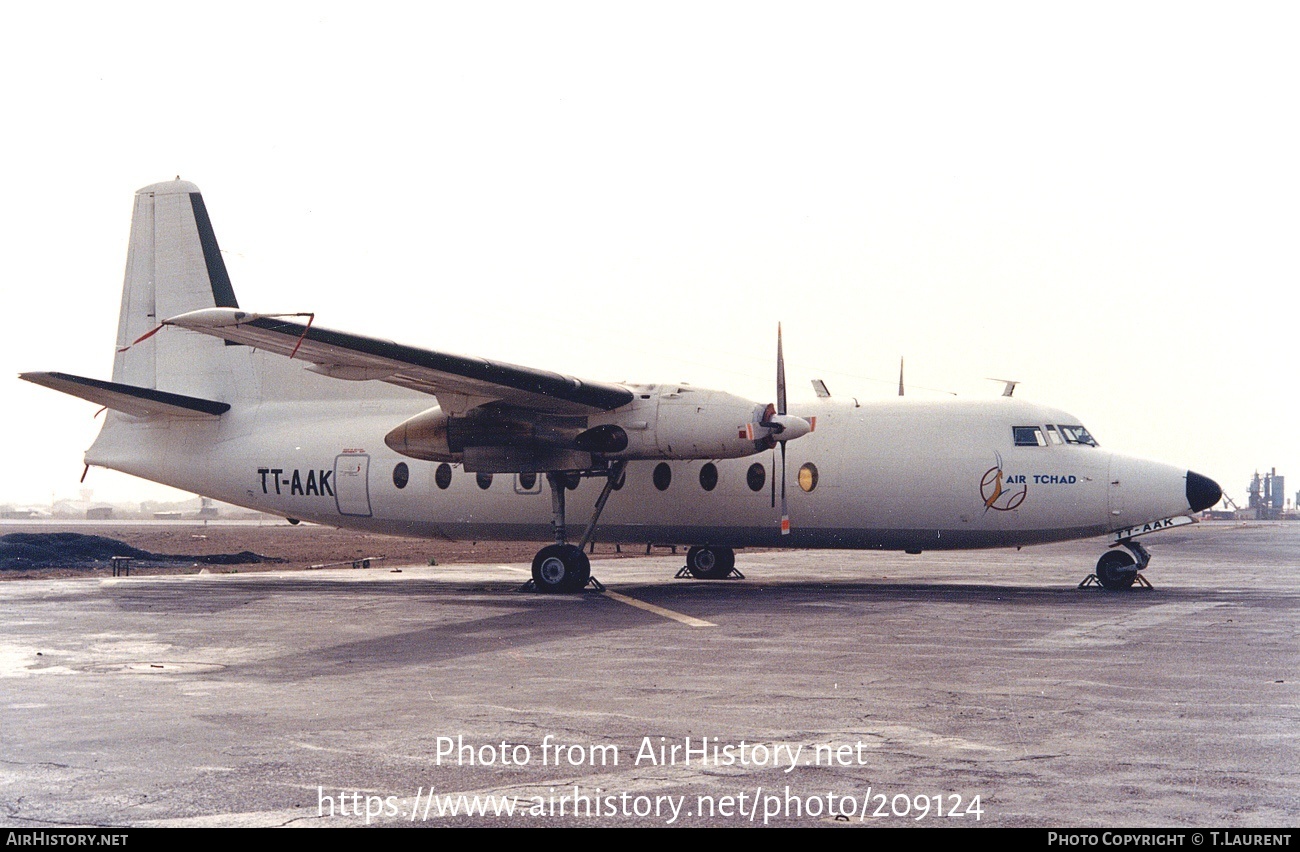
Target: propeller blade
(781,425)
(773,475)
(780,374)
(785,511)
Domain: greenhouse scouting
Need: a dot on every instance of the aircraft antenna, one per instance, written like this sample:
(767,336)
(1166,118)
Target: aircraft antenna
(1009,385)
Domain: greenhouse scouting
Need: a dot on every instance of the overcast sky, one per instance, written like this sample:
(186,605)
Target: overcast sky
(1099,200)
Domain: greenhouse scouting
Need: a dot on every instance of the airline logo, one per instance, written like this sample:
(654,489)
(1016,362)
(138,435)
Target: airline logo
(1002,491)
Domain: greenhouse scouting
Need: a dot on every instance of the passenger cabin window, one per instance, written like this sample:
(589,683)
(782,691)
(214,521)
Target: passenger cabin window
(1077,435)
(1028,436)
(1053,436)
(808,477)
(709,476)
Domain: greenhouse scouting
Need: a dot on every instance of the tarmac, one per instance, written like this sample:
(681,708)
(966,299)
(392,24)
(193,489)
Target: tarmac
(827,688)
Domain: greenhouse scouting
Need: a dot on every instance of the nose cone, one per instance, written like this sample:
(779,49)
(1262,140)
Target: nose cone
(1202,492)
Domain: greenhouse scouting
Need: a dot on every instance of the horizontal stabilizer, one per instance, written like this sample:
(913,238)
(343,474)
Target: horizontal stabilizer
(128,399)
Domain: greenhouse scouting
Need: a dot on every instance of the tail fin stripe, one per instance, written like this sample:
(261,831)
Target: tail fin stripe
(222,291)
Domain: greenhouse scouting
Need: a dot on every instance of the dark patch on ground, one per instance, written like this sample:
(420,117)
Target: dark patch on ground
(296,547)
(19,551)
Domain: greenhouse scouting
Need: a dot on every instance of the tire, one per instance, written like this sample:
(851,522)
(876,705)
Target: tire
(710,563)
(583,575)
(1115,570)
(560,568)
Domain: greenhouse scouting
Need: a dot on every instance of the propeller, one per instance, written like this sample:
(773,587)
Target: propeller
(782,427)
(780,410)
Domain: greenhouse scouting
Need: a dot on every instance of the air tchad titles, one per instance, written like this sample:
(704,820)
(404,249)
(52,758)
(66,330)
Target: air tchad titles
(1003,491)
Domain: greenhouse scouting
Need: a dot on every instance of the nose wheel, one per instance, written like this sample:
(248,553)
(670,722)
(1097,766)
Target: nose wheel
(1117,570)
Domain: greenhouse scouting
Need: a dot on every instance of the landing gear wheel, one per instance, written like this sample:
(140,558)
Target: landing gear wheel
(560,568)
(710,563)
(1116,571)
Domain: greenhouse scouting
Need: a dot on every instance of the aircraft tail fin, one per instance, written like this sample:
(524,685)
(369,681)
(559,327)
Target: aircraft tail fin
(173,266)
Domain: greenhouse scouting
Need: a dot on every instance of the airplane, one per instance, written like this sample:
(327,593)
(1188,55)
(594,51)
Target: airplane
(274,413)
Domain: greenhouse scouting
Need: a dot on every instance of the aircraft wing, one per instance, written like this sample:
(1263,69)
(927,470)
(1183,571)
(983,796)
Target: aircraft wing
(459,382)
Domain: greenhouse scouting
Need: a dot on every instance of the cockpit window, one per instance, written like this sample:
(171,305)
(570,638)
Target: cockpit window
(1052,435)
(1077,435)
(1028,436)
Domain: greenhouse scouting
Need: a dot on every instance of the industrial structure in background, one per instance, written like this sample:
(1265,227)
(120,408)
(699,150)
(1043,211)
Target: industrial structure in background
(1266,501)
(1268,496)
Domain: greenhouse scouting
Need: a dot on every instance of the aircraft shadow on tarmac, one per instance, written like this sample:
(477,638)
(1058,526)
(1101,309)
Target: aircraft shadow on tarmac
(534,620)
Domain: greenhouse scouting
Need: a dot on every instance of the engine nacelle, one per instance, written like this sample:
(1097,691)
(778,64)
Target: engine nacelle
(682,422)
(423,436)
(492,441)
(662,422)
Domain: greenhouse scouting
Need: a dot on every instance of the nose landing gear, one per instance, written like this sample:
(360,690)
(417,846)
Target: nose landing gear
(1117,570)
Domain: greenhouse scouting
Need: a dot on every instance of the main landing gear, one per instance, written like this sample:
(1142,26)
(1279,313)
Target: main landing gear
(564,567)
(561,568)
(710,563)
(1117,570)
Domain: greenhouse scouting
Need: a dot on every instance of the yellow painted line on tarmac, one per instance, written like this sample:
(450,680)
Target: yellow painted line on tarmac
(689,621)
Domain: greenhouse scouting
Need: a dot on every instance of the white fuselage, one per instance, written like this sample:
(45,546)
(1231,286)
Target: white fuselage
(897,474)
